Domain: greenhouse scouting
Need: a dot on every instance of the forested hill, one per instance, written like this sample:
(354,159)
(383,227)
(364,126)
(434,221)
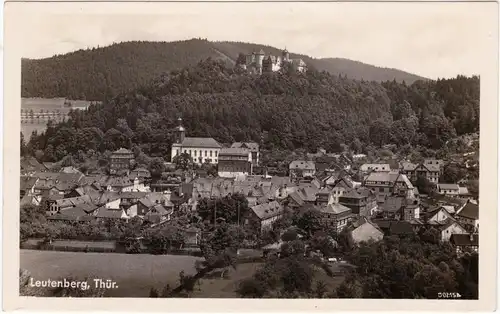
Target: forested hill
(94,74)
(282,110)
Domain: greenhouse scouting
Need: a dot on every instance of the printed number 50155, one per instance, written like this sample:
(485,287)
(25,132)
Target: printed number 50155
(449,295)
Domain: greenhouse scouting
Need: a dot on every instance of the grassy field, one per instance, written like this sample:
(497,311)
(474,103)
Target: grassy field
(28,128)
(134,274)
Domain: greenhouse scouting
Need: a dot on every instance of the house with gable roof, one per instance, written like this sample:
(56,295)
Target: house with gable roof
(430,171)
(468,216)
(335,217)
(362,201)
(252,147)
(301,169)
(267,213)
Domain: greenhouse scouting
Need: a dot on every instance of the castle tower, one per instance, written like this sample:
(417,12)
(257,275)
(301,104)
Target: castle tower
(260,59)
(180,132)
(286,55)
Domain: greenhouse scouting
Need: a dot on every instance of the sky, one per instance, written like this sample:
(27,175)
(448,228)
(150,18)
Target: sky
(429,39)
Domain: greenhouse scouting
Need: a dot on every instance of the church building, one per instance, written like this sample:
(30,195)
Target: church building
(201,149)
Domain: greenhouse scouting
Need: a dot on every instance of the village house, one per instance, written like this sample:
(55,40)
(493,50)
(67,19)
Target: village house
(192,237)
(465,243)
(141,173)
(121,160)
(104,213)
(147,203)
(449,228)
(302,196)
(252,147)
(438,215)
(201,149)
(57,205)
(341,185)
(468,216)
(389,183)
(110,200)
(361,201)
(429,171)
(50,183)
(302,169)
(435,162)
(234,162)
(375,167)
(265,214)
(27,186)
(335,217)
(400,208)
(448,189)
(124,184)
(364,230)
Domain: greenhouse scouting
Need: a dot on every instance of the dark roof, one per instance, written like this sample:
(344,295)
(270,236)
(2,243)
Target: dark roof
(302,164)
(234,152)
(104,212)
(383,224)
(465,239)
(27,182)
(204,142)
(254,147)
(267,210)
(401,227)
(470,211)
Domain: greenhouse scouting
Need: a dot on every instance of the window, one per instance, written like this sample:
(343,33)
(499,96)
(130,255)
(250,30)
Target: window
(195,153)
(381,189)
(215,153)
(177,152)
(210,153)
(205,153)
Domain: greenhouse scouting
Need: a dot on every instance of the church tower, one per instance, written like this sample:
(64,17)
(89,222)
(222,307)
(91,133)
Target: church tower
(180,132)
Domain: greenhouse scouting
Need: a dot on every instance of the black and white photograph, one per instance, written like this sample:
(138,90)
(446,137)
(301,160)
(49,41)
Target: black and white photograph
(258,150)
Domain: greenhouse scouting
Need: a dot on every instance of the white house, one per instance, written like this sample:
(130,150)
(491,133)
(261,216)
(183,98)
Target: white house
(448,189)
(267,213)
(375,167)
(201,149)
(451,227)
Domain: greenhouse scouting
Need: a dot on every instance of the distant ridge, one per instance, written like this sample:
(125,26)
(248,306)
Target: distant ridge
(97,73)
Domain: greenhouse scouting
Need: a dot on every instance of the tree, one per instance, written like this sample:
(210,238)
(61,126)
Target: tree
(452,173)
(220,246)
(309,220)
(424,185)
(183,161)
(232,208)
(156,167)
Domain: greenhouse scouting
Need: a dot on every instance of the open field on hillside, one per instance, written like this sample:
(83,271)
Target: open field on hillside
(134,274)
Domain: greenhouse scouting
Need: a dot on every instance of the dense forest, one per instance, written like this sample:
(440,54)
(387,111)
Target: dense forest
(97,73)
(284,110)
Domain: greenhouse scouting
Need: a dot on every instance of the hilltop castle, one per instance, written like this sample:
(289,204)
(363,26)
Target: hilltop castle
(258,62)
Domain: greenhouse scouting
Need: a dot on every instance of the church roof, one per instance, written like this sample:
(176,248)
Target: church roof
(204,142)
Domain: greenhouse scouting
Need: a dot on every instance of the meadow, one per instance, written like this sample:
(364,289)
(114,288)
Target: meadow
(135,275)
(47,105)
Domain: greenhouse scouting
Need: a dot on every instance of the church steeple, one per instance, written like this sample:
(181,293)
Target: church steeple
(180,132)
